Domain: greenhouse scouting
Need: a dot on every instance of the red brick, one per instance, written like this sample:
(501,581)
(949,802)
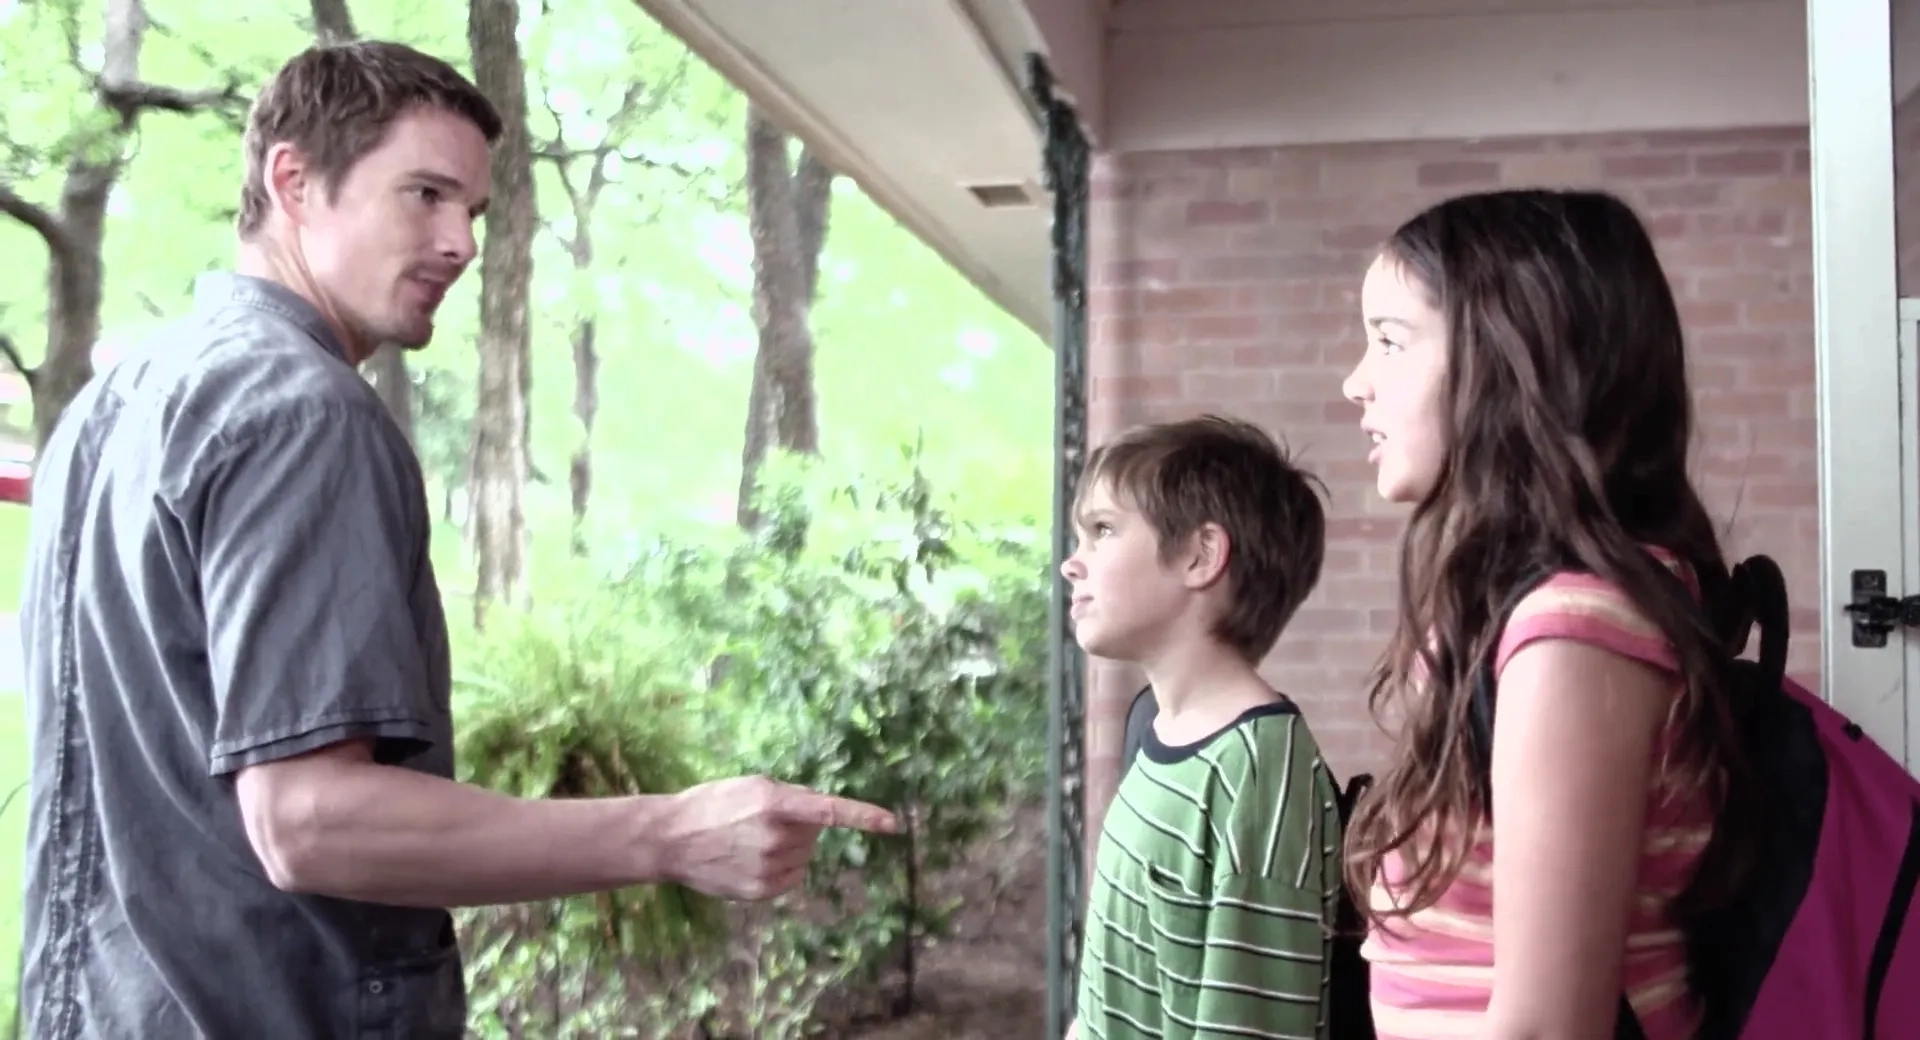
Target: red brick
(1188,299)
(1459,173)
(1215,211)
(1749,163)
(1742,222)
(1234,268)
(1638,167)
(1177,356)
(1229,386)
(1686,195)
(1356,236)
(1155,388)
(1133,272)
(1288,295)
(1218,328)
(1285,354)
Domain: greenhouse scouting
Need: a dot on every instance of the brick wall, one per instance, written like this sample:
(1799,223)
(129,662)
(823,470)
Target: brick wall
(1228,281)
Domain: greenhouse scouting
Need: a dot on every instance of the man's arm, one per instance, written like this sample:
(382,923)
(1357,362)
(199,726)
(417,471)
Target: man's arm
(338,823)
(310,531)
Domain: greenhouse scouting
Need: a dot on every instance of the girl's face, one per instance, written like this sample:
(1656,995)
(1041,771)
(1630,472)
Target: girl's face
(1400,383)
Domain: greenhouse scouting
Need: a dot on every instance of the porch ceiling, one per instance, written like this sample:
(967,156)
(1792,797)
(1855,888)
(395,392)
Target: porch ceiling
(917,101)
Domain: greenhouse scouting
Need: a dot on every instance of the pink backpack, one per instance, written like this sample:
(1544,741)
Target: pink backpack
(1825,945)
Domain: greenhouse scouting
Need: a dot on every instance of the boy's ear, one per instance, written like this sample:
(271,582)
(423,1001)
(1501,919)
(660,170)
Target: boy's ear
(1206,559)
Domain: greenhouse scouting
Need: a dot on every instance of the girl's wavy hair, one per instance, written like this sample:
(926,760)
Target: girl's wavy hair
(1570,419)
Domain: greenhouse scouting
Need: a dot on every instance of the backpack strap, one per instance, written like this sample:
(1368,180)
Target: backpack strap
(1758,583)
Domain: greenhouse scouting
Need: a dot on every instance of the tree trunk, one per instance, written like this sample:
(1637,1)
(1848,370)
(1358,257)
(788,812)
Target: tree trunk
(787,213)
(387,371)
(76,279)
(641,97)
(586,386)
(332,22)
(506,268)
(75,234)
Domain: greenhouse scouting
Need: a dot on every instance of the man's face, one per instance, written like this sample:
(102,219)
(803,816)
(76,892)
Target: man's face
(398,231)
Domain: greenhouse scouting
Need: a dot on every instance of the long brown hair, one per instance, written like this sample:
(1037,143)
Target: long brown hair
(1570,420)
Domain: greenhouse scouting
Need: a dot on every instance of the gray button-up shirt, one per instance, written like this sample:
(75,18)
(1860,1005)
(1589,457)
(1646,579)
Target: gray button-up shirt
(228,566)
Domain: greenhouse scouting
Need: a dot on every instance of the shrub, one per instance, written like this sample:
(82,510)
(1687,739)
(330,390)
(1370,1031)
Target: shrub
(861,641)
(570,704)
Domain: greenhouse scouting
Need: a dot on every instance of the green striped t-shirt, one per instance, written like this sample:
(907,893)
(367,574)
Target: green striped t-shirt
(1214,889)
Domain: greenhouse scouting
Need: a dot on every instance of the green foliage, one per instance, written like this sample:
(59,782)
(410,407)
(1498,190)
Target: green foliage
(565,704)
(862,642)
(865,660)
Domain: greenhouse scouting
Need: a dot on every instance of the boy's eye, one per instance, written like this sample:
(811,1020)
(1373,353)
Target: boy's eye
(1103,528)
(428,193)
(1386,345)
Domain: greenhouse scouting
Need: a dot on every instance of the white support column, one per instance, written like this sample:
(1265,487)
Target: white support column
(1909,483)
(1864,485)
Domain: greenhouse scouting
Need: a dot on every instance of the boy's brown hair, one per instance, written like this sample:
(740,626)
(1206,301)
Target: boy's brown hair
(1181,475)
(334,102)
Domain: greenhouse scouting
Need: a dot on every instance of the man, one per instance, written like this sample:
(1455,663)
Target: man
(242,817)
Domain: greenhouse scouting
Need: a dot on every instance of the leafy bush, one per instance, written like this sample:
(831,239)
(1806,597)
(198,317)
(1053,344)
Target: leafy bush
(872,664)
(569,704)
(861,642)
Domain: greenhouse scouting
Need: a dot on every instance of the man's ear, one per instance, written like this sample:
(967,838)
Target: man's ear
(1206,556)
(289,181)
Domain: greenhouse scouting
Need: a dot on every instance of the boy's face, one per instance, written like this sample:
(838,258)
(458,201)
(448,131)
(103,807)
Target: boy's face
(1126,597)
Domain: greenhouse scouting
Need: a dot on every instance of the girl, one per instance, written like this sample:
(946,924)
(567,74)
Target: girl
(1525,390)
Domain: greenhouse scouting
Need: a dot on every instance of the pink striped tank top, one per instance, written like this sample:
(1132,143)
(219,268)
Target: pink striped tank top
(1432,974)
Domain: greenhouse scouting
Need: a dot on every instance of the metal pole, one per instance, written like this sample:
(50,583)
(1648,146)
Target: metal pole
(1066,155)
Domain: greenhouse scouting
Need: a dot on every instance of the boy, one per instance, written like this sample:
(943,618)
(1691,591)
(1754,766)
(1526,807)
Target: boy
(1219,864)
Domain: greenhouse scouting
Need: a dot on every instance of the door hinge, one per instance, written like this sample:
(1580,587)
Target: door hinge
(1876,614)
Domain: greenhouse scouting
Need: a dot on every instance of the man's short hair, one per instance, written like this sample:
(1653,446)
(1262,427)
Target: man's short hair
(335,101)
(1181,475)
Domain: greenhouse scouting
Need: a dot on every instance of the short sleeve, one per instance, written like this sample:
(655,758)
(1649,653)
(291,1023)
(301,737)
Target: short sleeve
(311,537)
(1587,609)
(1276,824)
